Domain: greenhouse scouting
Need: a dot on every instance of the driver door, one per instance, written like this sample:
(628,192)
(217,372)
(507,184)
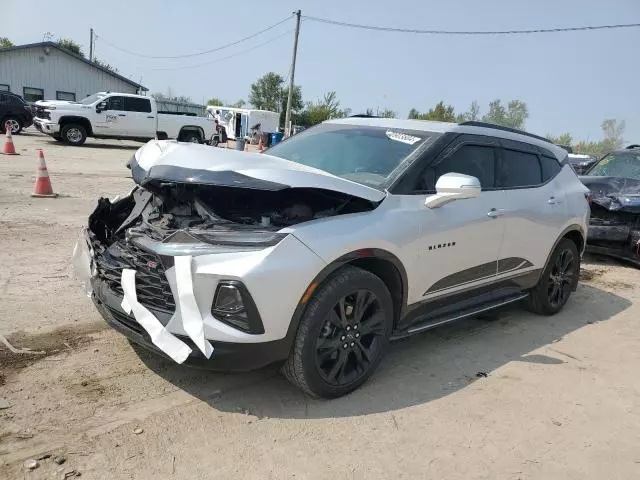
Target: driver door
(461,240)
(112,118)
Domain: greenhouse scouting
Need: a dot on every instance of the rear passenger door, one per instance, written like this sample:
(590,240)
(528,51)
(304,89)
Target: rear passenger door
(535,208)
(140,120)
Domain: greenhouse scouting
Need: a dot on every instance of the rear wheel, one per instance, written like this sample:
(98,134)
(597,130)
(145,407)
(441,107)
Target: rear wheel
(558,280)
(74,134)
(191,137)
(343,334)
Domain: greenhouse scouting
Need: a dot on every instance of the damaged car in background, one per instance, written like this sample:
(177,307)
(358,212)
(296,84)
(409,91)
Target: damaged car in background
(318,252)
(614,227)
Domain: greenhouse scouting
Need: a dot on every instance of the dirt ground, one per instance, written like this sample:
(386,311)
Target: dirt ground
(509,396)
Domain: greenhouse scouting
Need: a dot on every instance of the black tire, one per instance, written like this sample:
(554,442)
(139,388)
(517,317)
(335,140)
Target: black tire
(191,137)
(74,134)
(15,122)
(558,280)
(334,318)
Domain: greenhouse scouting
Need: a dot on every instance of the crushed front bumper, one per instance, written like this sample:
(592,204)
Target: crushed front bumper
(232,357)
(619,241)
(46,126)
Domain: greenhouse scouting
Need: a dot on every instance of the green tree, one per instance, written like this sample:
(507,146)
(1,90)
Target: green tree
(564,139)
(169,96)
(215,101)
(473,114)
(439,113)
(514,115)
(239,104)
(70,45)
(102,64)
(387,113)
(266,92)
(5,42)
(296,103)
(323,109)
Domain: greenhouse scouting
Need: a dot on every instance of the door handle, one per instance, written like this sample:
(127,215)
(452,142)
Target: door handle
(553,201)
(495,213)
(122,115)
(150,116)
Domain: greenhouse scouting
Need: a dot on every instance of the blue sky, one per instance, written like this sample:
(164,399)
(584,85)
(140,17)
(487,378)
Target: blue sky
(570,81)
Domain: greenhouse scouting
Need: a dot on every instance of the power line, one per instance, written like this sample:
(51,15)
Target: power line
(186,55)
(466,32)
(242,52)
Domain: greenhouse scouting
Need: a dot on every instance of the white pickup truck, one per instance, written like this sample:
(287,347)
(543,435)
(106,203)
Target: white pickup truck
(117,115)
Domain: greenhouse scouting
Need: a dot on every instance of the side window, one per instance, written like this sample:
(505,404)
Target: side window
(550,168)
(475,160)
(519,169)
(33,94)
(115,103)
(133,104)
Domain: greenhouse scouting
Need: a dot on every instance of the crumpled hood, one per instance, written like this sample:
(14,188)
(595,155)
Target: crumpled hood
(170,161)
(614,193)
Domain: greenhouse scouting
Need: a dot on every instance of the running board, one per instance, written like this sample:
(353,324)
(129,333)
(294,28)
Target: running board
(432,323)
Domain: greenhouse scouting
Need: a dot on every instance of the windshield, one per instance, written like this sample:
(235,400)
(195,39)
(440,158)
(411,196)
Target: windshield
(622,164)
(363,154)
(92,98)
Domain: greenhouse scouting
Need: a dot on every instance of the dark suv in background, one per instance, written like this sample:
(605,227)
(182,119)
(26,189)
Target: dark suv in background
(14,111)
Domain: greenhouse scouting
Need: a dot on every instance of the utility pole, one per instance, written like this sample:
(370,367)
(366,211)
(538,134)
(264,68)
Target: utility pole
(91,45)
(287,116)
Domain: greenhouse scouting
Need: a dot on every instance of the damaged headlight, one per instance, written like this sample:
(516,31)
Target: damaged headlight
(205,243)
(243,239)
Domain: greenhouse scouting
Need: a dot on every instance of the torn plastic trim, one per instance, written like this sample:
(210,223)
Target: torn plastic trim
(160,336)
(187,243)
(82,263)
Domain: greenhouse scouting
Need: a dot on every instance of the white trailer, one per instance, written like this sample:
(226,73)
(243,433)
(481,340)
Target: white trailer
(239,122)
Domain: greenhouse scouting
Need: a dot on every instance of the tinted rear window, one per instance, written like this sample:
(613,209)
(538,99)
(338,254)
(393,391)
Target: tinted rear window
(519,169)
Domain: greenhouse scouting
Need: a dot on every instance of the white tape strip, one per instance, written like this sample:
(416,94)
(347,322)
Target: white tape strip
(191,317)
(161,338)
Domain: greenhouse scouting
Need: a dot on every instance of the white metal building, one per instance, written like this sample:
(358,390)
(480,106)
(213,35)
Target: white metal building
(45,71)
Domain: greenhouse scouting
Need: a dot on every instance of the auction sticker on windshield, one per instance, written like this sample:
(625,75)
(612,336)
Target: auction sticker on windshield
(402,137)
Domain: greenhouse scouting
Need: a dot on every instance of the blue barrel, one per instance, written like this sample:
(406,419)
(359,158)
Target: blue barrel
(240,144)
(276,137)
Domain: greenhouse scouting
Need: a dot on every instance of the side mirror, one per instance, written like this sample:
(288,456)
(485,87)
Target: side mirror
(101,107)
(453,186)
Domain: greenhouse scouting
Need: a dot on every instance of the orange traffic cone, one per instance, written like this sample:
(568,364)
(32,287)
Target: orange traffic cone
(8,148)
(42,187)
(260,145)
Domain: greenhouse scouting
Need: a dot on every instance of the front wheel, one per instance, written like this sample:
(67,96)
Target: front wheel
(74,134)
(13,123)
(558,280)
(343,334)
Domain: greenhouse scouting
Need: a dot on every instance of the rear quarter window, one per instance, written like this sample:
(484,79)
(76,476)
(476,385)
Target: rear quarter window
(519,169)
(550,168)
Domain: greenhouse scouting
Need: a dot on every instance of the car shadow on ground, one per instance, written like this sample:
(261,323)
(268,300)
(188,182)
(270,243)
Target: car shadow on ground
(415,371)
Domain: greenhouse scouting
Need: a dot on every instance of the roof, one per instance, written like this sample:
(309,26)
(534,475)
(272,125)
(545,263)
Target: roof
(77,57)
(446,127)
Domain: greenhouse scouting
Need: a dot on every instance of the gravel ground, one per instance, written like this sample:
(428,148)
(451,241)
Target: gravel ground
(509,396)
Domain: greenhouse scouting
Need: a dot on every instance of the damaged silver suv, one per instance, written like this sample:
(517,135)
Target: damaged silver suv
(327,246)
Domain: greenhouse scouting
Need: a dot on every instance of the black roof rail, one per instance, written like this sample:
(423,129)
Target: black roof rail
(506,129)
(634,145)
(363,115)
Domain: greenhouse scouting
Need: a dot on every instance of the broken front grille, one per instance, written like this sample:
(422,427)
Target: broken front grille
(152,286)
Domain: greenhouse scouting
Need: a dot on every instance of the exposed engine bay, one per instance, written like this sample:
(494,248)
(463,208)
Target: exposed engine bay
(174,207)
(614,226)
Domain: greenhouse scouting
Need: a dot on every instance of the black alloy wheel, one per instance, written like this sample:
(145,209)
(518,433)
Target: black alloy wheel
(351,337)
(342,335)
(561,278)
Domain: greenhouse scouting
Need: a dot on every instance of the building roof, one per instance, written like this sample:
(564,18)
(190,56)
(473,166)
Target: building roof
(77,57)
